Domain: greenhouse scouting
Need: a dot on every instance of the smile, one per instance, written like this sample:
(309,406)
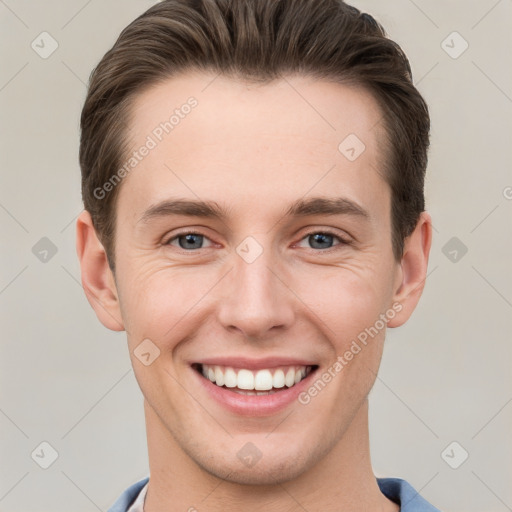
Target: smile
(249,382)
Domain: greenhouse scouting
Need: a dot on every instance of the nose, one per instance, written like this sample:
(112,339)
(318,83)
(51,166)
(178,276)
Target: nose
(257,300)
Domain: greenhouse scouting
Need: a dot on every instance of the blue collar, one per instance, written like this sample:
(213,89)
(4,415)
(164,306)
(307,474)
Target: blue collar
(396,489)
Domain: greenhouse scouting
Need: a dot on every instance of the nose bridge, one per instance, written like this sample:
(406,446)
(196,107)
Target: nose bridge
(256,299)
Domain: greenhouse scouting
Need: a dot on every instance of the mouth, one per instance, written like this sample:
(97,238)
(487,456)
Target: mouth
(261,382)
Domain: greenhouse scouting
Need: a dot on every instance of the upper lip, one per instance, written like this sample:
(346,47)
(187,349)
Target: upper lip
(255,364)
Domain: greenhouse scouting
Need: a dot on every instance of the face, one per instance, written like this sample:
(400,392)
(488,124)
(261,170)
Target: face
(280,273)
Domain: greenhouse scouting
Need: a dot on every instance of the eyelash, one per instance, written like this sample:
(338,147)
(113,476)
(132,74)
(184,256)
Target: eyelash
(343,241)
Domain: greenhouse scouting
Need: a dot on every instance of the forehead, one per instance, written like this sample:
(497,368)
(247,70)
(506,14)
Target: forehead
(216,136)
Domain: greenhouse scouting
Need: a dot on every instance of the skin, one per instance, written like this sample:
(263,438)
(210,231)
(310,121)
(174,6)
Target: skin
(254,149)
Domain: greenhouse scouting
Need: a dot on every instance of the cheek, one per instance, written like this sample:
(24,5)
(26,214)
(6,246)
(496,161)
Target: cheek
(346,300)
(158,303)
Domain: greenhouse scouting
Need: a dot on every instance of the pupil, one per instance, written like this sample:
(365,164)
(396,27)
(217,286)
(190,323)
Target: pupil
(321,238)
(190,242)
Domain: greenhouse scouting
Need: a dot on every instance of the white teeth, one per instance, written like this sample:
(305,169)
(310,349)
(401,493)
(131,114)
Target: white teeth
(219,376)
(230,378)
(290,378)
(245,379)
(278,379)
(261,382)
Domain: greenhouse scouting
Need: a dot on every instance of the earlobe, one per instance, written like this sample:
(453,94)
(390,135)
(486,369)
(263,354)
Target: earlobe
(413,270)
(97,278)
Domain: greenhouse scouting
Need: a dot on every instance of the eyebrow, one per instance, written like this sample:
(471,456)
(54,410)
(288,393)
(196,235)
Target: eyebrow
(211,209)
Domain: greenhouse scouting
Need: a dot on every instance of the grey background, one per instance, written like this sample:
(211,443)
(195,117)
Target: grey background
(445,376)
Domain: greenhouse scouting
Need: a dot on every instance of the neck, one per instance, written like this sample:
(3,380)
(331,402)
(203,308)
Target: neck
(341,479)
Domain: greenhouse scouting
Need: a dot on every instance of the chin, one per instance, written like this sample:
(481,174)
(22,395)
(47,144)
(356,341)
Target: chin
(270,472)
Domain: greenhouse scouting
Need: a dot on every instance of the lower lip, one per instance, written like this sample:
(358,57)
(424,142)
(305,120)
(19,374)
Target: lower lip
(254,405)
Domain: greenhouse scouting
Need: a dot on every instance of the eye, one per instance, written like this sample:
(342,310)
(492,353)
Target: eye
(188,240)
(323,239)
(191,240)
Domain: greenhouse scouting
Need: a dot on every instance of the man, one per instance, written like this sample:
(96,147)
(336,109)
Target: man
(252,173)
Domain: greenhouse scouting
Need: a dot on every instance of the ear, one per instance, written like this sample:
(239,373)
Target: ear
(97,279)
(413,270)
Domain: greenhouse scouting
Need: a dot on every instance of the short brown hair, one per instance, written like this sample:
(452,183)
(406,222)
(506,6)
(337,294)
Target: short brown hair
(257,40)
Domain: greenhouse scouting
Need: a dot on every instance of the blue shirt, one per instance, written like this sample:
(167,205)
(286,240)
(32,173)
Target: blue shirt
(396,489)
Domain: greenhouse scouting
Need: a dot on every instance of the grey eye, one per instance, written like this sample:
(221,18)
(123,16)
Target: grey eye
(188,241)
(320,240)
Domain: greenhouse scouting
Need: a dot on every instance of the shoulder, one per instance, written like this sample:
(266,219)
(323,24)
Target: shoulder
(405,495)
(128,496)
(396,489)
